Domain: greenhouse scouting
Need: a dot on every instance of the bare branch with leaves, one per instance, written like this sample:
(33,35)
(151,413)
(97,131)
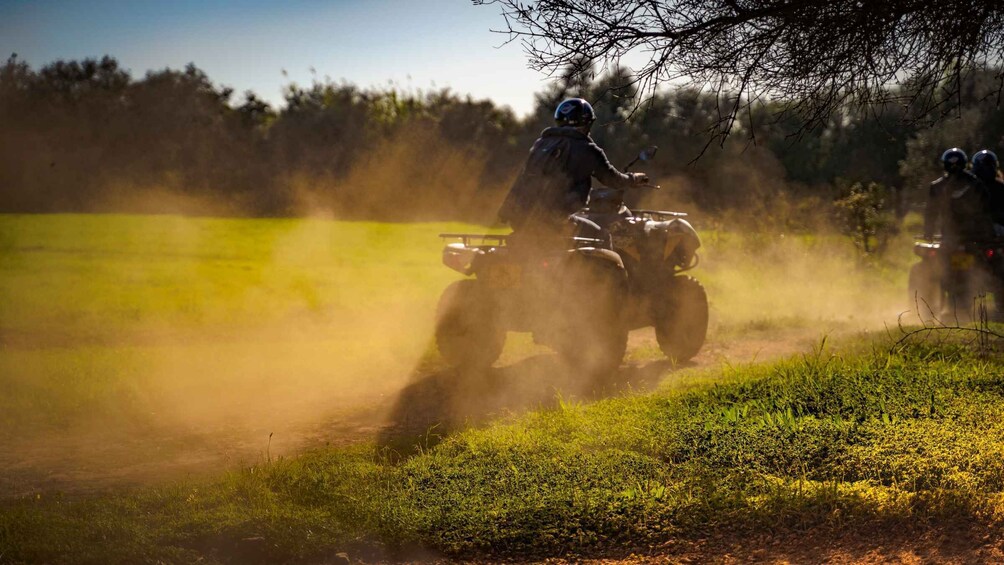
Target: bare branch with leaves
(979,335)
(815,57)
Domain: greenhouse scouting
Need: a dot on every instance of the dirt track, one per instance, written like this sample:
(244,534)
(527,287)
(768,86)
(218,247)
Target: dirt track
(414,409)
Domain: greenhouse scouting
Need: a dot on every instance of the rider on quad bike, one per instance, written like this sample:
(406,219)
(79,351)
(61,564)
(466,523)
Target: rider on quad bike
(557,176)
(555,276)
(576,285)
(957,202)
(986,167)
(961,251)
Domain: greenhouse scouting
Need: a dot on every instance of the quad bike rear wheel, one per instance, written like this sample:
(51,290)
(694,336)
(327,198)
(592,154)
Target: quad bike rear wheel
(964,298)
(681,318)
(593,337)
(467,331)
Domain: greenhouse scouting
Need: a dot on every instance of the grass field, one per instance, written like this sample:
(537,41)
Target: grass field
(124,326)
(104,313)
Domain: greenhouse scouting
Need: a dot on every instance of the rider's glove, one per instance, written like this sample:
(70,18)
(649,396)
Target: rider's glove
(639,178)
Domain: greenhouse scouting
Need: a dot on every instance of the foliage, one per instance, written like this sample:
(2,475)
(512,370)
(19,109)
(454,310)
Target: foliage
(814,60)
(86,136)
(865,215)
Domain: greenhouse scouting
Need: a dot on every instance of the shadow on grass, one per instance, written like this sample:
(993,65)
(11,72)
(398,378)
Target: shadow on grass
(439,403)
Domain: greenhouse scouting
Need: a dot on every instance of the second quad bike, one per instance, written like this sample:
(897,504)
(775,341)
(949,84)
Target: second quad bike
(947,281)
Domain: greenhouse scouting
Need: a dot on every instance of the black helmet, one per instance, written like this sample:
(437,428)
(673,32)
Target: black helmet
(954,160)
(574,112)
(985,165)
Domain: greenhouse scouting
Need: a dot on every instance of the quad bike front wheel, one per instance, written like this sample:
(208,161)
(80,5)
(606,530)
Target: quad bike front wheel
(467,331)
(925,293)
(966,296)
(681,318)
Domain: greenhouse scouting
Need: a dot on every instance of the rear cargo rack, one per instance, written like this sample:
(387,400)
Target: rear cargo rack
(466,238)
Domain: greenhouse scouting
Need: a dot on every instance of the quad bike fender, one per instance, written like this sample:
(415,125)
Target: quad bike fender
(460,257)
(596,253)
(680,238)
(689,241)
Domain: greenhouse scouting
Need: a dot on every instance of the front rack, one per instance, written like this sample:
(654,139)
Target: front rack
(659,214)
(592,240)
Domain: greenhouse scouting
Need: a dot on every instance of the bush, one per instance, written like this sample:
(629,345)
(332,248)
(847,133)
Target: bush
(865,215)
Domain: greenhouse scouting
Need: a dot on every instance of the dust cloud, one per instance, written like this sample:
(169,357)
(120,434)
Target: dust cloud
(303,352)
(770,294)
(413,175)
(275,345)
(773,258)
(295,336)
(809,280)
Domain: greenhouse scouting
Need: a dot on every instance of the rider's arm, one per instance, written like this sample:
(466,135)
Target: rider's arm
(607,173)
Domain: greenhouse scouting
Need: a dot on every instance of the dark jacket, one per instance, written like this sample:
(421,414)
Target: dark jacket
(557,177)
(958,207)
(995,189)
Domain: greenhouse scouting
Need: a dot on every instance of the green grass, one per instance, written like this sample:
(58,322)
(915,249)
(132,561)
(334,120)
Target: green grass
(80,276)
(851,438)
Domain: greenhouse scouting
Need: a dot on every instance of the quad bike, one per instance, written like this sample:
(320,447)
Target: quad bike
(656,247)
(948,279)
(567,291)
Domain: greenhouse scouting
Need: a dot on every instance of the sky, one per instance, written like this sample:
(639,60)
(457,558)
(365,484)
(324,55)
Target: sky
(249,44)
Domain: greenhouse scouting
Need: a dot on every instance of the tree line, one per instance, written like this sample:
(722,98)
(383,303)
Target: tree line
(87,136)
